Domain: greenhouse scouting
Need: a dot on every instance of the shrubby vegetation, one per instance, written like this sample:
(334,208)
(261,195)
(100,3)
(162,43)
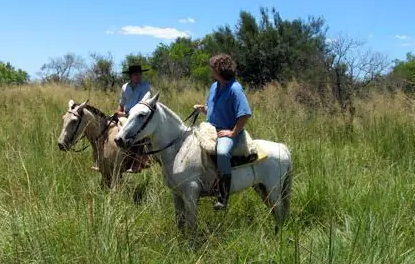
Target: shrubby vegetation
(267,50)
(10,75)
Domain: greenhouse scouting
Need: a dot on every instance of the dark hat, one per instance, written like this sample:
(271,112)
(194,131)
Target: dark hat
(135,68)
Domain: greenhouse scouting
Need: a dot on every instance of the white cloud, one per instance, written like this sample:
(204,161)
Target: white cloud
(157,32)
(330,40)
(187,20)
(408,44)
(401,37)
(371,36)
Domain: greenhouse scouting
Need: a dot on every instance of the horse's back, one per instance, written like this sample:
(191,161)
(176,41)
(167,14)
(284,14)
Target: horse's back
(276,150)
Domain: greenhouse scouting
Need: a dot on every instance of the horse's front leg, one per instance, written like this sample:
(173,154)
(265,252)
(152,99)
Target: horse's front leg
(191,197)
(179,210)
(95,154)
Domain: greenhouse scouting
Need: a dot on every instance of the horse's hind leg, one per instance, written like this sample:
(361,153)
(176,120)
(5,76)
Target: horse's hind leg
(279,197)
(276,196)
(261,191)
(191,198)
(269,197)
(179,210)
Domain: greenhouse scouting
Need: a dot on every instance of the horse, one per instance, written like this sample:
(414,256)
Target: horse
(83,120)
(190,171)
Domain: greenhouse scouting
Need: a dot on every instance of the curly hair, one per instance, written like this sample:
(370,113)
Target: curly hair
(224,65)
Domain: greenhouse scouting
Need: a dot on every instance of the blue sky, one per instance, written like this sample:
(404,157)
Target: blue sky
(33,31)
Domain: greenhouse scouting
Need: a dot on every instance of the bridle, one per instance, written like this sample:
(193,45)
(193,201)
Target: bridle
(153,110)
(195,115)
(80,116)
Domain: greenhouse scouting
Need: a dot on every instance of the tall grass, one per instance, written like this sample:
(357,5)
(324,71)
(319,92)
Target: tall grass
(352,197)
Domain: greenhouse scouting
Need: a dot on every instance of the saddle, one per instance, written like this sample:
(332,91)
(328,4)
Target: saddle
(246,151)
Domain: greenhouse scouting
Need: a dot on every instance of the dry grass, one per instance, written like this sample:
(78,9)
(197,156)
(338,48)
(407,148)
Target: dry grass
(352,199)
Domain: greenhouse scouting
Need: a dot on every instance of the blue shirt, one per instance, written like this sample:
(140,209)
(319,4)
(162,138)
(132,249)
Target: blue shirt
(226,105)
(131,95)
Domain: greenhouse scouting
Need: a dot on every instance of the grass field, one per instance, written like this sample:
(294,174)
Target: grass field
(352,200)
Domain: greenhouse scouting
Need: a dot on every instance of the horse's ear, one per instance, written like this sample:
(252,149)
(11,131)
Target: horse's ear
(146,96)
(81,106)
(70,103)
(155,99)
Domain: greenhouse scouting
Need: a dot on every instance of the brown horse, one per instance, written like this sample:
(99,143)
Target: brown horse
(83,120)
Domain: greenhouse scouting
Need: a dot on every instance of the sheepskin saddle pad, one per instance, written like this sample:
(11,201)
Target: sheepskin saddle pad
(245,151)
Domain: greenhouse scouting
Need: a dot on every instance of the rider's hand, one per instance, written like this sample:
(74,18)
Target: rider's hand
(226,133)
(120,114)
(200,108)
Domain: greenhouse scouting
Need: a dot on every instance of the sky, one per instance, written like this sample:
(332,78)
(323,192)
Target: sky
(34,31)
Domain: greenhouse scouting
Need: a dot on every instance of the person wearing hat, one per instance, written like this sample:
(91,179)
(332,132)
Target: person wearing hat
(131,93)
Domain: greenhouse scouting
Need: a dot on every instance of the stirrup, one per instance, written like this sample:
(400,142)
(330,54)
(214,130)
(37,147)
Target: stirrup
(219,206)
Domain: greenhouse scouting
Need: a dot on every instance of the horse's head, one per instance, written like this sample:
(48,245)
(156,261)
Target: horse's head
(142,121)
(73,125)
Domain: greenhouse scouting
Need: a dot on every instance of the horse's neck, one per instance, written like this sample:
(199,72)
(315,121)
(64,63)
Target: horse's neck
(94,126)
(170,128)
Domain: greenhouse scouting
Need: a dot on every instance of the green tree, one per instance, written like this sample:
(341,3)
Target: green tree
(271,49)
(140,59)
(10,75)
(174,60)
(101,73)
(406,70)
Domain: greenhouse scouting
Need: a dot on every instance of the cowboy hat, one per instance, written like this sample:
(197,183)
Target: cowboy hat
(135,68)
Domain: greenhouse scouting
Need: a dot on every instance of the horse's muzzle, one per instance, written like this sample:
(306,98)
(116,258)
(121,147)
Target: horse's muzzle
(121,143)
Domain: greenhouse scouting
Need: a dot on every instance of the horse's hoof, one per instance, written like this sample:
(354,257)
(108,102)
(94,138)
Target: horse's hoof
(95,168)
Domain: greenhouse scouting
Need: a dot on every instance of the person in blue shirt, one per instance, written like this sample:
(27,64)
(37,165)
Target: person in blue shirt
(228,110)
(131,93)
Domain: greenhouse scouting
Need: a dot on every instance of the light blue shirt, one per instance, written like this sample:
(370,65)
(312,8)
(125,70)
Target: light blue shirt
(131,95)
(226,105)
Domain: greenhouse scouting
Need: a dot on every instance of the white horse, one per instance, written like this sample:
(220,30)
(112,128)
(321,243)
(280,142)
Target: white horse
(190,171)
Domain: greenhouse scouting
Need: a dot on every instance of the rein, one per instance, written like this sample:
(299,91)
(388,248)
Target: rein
(194,114)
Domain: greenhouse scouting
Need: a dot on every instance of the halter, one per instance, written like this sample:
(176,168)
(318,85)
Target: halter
(153,110)
(80,116)
(195,115)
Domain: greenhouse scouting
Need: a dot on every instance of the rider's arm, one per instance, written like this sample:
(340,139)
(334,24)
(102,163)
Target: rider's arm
(241,108)
(240,124)
(121,103)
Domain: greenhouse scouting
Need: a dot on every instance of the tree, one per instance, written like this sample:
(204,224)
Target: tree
(174,60)
(101,73)
(62,69)
(10,75)
(405,72)
(140,59)
(271,49)
(352,67)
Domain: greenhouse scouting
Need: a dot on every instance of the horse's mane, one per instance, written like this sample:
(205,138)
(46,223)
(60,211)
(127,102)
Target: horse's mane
(93,110)
(170,112)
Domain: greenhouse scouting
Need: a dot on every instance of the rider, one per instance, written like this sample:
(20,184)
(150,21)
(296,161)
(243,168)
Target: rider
(131,93)
(228,110)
